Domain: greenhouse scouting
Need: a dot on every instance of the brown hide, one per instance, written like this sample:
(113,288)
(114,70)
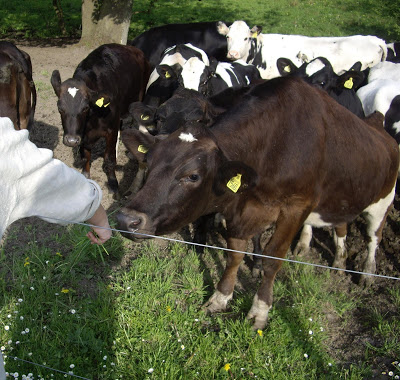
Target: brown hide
(298,152)
(17,90)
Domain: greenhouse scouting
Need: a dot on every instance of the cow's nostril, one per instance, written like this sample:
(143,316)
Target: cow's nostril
(134,223)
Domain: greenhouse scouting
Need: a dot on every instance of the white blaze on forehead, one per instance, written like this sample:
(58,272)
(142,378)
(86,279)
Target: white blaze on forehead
(187,137)
(314,66)
(72,91)
(191,73)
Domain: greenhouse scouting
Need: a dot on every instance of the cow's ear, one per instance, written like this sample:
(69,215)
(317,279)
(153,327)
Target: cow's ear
(234,177)
(356,67)
(56,82)
(351,80)
(138,143)
(286,67)
(255,31)
(101,100)
(166,72)
(222,28)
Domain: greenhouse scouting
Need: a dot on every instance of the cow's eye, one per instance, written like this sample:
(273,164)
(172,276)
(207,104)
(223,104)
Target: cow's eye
(193,177)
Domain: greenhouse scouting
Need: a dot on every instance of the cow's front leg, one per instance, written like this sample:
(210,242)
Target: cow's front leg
(86,155)
(110,160)
(287,226)
(224,292)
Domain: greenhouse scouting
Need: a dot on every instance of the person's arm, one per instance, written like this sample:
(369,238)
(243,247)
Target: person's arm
(102,229)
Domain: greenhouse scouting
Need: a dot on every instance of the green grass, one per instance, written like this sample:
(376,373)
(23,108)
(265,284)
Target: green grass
(37,19)
(117,311)
(143,319)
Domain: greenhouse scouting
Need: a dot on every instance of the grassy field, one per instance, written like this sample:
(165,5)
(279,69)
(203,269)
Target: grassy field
(133,311)
(37,19)
(93,312)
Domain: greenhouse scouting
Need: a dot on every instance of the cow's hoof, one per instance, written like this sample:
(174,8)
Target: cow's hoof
(366,281)
(256,272)
(340,263)
(218,302)
(301,250)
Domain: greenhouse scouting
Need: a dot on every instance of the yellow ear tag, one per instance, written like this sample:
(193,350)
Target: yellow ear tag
(349,83)
(100,102)
(106,105)
(144,117)
(287,69)
(167,75)
(234,183)
(254,35)
(142,149)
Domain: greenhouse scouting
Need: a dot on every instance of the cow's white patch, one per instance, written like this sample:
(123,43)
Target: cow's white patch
(315,220)
(314,66)
(259,311)
(72,91)
(191,73)
(187,137)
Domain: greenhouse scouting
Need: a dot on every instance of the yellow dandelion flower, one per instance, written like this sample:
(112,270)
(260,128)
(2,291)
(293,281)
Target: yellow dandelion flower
(26,263)
(259,332)
(63,290)
(58,254)
(169,309)
(227,367)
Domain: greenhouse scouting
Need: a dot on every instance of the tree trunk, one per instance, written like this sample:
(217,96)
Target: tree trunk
(60,16)
(105,21)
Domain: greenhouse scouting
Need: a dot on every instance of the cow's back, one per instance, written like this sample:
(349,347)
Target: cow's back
(116,69)
(300,141)
(204,35)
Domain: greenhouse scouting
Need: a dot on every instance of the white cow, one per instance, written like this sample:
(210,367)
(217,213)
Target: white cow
(384,70)
(263,50)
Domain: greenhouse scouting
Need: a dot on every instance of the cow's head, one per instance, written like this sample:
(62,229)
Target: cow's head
(196,75)
(240,39)
(75,103)
(143,117)
(165,82)
(184,106)
(188,176)
(319,72)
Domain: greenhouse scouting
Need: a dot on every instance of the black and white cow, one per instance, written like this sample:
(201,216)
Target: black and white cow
(163,80)
(319,72)
(204,35)
(393,54)
(378,95)
(263,50)
(211,80)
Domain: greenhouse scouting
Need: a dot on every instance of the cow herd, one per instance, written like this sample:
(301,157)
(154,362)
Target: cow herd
(261,129)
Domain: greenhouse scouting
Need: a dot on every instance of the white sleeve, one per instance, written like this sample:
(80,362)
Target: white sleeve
(33,183)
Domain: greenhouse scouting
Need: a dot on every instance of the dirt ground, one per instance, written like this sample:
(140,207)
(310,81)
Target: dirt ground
(47,133)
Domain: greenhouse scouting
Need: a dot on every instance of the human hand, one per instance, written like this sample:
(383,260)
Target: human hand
(101,230)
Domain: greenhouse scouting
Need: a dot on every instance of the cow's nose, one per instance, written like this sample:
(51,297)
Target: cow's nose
(128,222)
(233,54)
(71,140)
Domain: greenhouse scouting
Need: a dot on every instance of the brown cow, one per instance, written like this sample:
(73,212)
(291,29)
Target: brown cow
(92,102)
(17,89)
(292,154)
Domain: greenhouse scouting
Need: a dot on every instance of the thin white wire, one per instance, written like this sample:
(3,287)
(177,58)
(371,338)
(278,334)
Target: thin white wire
(52,369)
(232,250)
